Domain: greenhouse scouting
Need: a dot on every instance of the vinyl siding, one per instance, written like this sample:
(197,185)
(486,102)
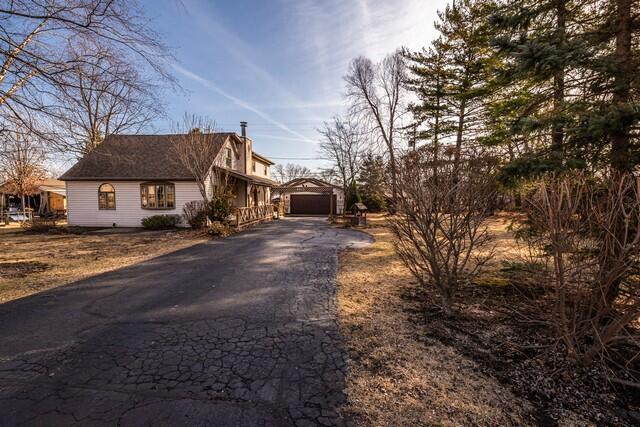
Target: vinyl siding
(82,203)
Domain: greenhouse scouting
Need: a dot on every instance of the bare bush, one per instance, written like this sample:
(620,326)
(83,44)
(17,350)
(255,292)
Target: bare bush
(588,229)
(439,228)
(195,213)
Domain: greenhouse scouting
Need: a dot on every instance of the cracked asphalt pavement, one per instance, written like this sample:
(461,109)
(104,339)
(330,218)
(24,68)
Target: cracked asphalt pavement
(240,331)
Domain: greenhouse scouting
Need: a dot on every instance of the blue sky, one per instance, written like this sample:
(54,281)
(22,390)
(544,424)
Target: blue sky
(278,64)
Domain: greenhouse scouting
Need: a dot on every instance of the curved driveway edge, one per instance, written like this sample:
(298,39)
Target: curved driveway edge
(240,331)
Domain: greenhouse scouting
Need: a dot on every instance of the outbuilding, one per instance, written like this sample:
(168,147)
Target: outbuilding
(310,196)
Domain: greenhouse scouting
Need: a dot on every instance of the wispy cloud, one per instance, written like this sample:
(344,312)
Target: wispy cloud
(239,102)
(243,54)
(372,28)
(280,137)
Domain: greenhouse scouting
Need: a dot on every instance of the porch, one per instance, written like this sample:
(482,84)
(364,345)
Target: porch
(47,199)
(253,198)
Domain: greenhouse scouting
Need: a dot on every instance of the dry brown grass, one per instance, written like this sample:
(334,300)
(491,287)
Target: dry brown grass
(396,376)
(31,263)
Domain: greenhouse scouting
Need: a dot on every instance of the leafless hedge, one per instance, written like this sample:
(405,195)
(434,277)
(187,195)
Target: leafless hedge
(588,231)
(439,229)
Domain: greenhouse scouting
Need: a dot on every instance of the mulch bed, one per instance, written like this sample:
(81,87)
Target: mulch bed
(488,328)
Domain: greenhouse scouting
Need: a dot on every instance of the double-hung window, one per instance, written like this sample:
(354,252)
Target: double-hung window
(228,161)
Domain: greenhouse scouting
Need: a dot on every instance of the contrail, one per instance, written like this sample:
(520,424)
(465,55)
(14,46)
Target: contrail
(193,76)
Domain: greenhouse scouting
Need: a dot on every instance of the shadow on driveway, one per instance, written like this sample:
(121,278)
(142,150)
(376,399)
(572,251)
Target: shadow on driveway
(240,331)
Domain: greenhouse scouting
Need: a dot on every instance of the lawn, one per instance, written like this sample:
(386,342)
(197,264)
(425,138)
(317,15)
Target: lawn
(33,262)
(411,365)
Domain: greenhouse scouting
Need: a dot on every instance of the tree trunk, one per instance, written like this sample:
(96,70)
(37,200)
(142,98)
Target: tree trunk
(622,85)
(436,130)
(557,132)
(459,133)
(394,180)
(621,97)
(24,208)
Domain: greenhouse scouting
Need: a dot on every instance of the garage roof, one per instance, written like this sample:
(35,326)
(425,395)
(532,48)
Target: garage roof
(297,185)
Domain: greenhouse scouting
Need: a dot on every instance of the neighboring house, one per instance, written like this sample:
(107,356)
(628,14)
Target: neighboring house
(130,177)
(47,198)
(310,196)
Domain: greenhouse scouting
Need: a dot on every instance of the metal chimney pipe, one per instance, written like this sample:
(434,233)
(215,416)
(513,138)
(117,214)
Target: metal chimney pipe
(243,129)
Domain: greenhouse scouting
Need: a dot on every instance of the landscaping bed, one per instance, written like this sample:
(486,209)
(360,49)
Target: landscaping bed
(32,262)
(486,365)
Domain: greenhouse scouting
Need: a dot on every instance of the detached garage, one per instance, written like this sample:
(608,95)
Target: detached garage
(312,204)
(310,196)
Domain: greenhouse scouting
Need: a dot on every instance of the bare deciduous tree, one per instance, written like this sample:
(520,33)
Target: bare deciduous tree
(195,145)
(104,96)
(343,143)
(21,160)
(328,175)
(285,173)
(35,50)
(440,232)
(377,93)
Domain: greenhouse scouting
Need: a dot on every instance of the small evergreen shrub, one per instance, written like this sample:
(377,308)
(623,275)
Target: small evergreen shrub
(352,197)
(160,222)
(220,206)
(375,202)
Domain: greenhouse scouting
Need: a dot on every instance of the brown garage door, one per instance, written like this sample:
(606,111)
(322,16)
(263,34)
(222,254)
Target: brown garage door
(311,204)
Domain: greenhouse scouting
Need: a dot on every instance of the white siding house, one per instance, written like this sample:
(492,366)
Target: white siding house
(83,206)
(130,177)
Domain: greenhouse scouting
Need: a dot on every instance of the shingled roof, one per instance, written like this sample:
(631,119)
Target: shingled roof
(135,157)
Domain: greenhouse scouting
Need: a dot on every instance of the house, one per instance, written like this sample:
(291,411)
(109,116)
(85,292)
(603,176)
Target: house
(48,197)
(130,177)
(310,196)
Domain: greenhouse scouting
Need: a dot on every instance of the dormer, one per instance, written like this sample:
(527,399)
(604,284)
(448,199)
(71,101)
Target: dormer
(260,165)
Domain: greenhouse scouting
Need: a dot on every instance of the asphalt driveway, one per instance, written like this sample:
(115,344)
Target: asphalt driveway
(234,332)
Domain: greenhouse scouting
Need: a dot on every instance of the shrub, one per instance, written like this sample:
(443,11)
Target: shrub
(441,220)
(195,213)
(217,228)
(160,222)
(375,202)
(587,229)
(220,206)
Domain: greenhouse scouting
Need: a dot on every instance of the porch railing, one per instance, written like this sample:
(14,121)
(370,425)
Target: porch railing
(253,213)
(16,214)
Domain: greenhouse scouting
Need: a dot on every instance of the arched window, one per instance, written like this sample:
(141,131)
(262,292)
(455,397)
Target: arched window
(106,197)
